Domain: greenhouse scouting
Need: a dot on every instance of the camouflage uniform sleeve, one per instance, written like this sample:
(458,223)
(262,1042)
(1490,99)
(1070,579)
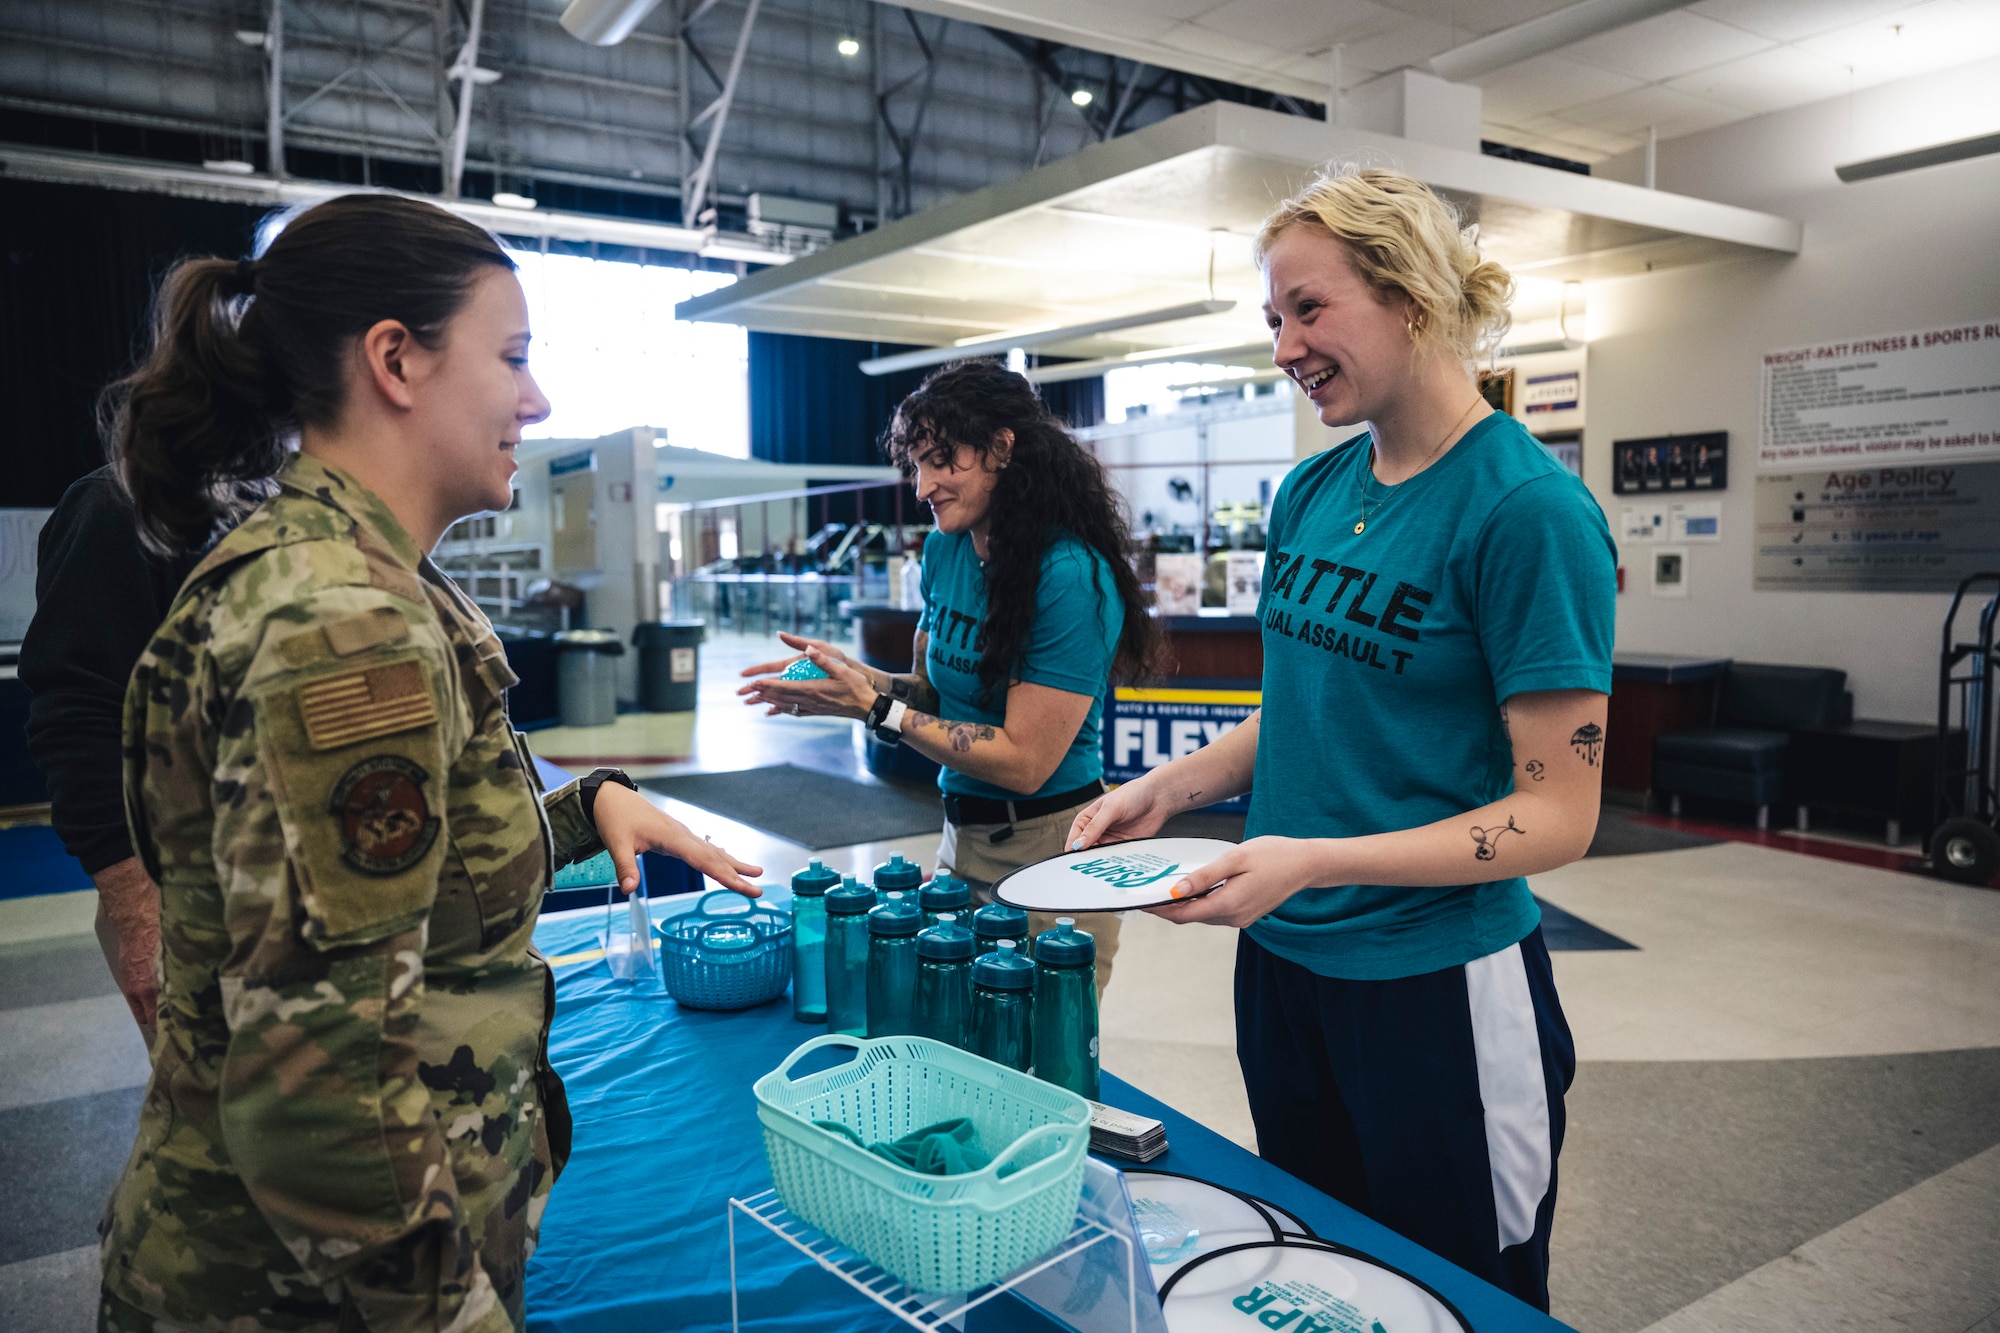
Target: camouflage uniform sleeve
(329,785)
(570,831)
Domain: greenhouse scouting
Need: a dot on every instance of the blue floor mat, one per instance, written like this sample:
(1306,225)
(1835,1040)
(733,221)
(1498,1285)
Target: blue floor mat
(1566,931)
(32,861)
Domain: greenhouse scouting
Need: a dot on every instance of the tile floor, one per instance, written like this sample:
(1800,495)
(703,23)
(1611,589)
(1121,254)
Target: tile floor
(1786,1115)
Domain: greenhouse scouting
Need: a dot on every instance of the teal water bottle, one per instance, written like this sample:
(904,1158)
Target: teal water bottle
(1066,1008)
(896,875)
(944,982)
(847,958)
(996,922)
(809,888)
(892,966)
(1003,1007)
(945,894)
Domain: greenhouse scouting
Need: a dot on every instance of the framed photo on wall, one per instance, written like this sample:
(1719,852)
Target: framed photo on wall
(1671,463)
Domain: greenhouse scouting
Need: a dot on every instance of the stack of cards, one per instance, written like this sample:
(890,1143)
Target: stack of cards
(1123,1134)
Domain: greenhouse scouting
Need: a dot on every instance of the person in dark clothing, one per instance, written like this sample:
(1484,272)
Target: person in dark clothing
(99,595)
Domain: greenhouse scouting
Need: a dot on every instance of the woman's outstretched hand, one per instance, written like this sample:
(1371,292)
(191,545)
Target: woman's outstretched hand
(628,824)
(847,691)
(1118,816)
(1246,883)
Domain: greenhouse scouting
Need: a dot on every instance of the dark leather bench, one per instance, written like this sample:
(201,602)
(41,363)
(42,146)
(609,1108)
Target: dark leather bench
(1742,757)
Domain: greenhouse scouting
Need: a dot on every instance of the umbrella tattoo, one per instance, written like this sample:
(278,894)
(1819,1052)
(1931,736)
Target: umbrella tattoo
(1487,837)
(1588,741)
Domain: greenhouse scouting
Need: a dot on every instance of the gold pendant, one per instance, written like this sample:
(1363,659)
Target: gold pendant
(1359,526)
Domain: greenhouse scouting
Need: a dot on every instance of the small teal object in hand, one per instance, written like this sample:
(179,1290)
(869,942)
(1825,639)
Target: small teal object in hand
(803,669)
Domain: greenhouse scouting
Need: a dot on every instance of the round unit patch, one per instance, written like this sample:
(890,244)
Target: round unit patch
(386,825)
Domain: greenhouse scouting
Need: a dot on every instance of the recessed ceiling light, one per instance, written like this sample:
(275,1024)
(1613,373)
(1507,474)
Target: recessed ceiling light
(847,46)
(1082,97)
(508,199)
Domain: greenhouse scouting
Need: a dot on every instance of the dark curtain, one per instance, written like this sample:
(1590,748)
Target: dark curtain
(79,269)
(809,403)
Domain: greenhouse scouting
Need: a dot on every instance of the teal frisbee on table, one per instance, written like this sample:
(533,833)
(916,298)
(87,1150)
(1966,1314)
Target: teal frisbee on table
(1113,877)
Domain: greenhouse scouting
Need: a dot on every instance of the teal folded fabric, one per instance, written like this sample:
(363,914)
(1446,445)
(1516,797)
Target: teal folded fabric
(948,1148)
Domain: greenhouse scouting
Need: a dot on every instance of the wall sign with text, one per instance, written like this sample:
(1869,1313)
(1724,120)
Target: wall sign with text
(1898,398)
(1145,728)
(1892,529)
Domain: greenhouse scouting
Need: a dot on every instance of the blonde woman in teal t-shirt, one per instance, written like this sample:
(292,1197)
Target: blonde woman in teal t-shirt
(1030,606)
(1437,622)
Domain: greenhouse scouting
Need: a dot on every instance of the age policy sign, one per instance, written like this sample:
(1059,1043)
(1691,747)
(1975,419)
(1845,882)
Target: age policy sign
(1924,396)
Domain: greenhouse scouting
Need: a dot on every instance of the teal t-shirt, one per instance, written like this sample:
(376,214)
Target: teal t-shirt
(1386,657)
(1078,615)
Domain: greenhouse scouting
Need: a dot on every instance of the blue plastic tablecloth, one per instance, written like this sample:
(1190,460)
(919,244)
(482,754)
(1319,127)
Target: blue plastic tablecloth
(634,1239)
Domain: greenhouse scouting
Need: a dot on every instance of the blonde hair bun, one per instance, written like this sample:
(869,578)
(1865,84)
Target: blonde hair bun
(1406,242)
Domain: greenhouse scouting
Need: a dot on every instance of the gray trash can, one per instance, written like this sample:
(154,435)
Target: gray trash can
(669,663)
(587,676)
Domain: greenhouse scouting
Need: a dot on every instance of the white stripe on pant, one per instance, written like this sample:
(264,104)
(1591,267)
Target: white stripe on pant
(1511,1088)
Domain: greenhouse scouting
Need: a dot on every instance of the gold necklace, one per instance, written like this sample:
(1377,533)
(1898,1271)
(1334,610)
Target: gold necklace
(1368,466)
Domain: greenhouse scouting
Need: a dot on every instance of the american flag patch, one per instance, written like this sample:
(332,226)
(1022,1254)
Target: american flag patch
(359,705)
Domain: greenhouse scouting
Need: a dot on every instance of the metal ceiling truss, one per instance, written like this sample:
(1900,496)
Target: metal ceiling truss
(696,185)
(904,141)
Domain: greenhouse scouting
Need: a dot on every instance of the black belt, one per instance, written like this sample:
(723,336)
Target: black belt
(984,810)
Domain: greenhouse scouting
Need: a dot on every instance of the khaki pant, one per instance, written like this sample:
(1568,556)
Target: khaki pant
(968,851)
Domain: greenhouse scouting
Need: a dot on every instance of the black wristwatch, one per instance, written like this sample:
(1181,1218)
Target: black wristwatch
(597,777)
(885,719)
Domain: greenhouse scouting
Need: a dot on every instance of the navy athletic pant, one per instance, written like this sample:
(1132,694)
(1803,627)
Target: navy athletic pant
(1433,1103)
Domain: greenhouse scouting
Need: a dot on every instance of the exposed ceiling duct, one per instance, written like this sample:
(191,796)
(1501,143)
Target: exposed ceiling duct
(1539,36)
(605,22)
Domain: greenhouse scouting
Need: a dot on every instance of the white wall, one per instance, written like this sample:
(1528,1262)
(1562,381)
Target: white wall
(1678,352)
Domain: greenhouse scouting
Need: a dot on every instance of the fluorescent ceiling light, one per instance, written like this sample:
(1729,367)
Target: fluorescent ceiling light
(1979,145)
(1533,349)
(1539,36)
(1079,370)
(718,246)
(508,199)
(935,356)
(1231,381)
(605,22)
(229,166)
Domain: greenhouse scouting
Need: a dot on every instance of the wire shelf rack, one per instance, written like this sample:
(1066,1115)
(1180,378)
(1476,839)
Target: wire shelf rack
(924,1310)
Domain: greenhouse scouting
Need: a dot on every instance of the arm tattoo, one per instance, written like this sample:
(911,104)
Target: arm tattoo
(1486,840)
(1588,741)
(959,735)
(1537,769)
(1505,724)
(915,691)
(963,734)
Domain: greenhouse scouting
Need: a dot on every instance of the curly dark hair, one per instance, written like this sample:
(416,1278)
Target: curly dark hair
(1051,488)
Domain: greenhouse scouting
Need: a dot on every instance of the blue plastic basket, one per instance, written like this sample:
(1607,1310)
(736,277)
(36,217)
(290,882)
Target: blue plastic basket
(726,960)
(933,1233)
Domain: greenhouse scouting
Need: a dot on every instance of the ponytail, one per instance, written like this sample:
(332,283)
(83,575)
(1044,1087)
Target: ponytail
(245,352)
(193,430)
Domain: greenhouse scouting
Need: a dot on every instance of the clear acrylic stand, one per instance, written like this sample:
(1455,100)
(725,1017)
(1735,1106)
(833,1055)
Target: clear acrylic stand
(1097,1280)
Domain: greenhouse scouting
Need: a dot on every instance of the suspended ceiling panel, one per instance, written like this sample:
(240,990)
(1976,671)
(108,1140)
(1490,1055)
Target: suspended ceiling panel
(1142,222)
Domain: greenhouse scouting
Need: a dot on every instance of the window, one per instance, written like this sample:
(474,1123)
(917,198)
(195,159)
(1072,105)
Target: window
(610,355)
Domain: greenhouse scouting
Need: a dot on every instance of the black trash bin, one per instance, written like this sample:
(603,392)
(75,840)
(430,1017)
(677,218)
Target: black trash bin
(669,664)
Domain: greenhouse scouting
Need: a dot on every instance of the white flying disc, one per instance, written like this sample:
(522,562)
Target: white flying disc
(1181,1218)
(1116,877)
(1318,1285)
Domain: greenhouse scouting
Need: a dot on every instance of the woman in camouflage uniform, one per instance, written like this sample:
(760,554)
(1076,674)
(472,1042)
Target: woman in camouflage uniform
(352,1122)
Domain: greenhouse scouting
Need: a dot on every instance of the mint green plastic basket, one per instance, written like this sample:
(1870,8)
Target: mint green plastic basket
(933,1233)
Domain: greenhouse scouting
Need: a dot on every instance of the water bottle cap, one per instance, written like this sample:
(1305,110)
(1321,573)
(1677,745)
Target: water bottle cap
(946,893)
(850,899)
(999,921)
(1004,969)
(897,873)
(1065,946)
(944,942)
(895,918)
(814,880)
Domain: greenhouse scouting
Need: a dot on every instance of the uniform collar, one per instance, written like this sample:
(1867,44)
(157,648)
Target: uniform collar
(337,488)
